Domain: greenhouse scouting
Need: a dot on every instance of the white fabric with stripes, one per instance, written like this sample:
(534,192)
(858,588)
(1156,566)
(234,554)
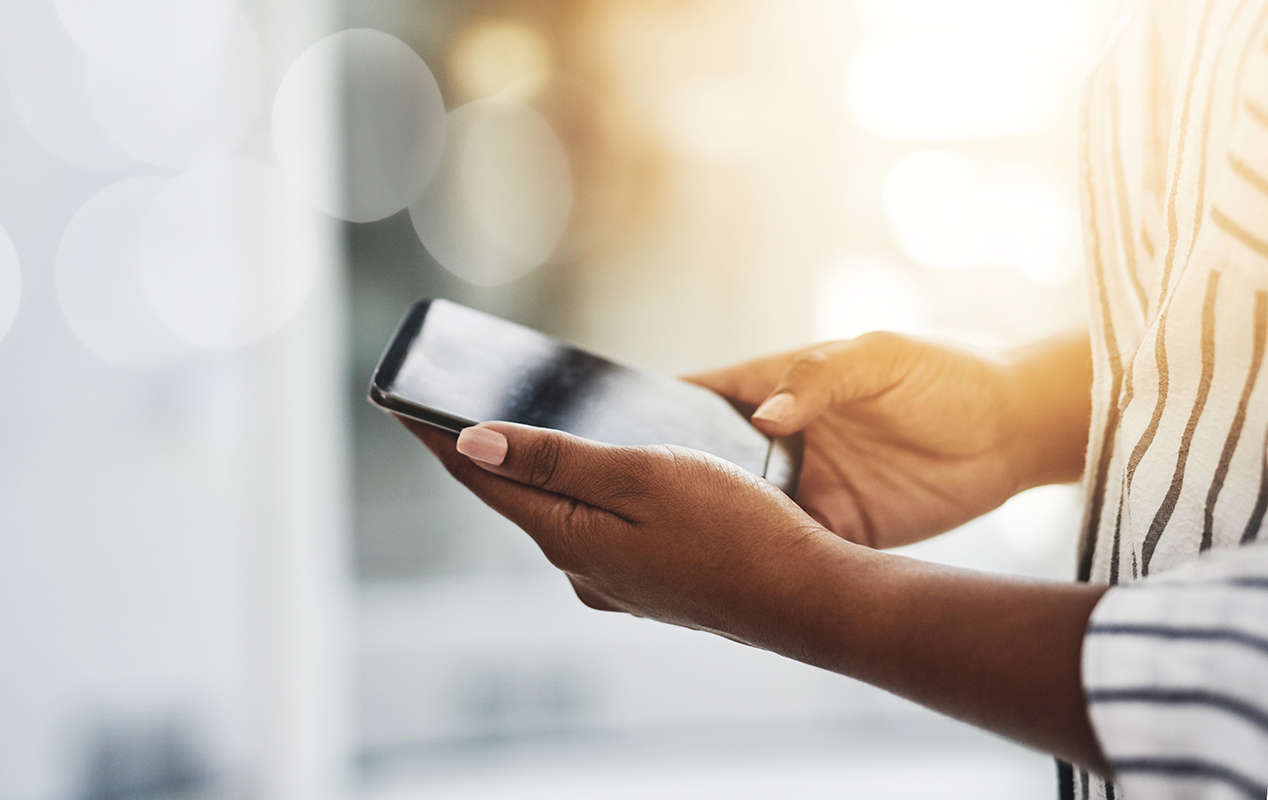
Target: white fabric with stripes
(1175,201)
(1176,671)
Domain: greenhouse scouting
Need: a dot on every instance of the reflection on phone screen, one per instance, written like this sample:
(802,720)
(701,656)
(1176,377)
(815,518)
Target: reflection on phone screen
(474,367)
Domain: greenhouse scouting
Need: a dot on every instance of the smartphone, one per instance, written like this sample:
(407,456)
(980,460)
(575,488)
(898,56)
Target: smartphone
(453,367)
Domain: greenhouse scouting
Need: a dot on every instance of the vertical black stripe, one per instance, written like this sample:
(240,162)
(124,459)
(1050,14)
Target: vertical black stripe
(1165,511)
(1163,515)
(1115,558)
(1085,792)
(1135,567)
(1065,781)
(1118,528)
(1173,230)
(1097,501)
(1261,501)
(1239,419)
(1109,790)
(1160,402)
(1126,233)
(1147,439)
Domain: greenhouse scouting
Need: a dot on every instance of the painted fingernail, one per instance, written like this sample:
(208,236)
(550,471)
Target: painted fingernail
(483,445)
(775,408)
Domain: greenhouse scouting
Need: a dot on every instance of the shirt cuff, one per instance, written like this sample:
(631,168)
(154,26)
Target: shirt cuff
(1175,672)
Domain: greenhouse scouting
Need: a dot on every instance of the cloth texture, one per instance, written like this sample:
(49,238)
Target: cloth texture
(1174,163)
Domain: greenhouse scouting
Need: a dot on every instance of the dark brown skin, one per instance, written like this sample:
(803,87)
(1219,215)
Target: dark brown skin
(905,439)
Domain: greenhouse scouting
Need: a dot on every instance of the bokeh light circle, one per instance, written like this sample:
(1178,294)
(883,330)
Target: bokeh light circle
(173,116)
(503,197)
(10,284)
(98,281)
(227,254)
(493,55)
(392,118)
(147,33)
(49,93)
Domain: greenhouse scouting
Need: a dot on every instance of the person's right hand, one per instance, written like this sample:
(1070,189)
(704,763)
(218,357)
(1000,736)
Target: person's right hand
(906,439)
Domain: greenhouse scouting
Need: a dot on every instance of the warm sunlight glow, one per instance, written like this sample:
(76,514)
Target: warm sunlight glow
(714,117)
(857,293)
(492,56)
(1038,23)
(948,87)
(951,212)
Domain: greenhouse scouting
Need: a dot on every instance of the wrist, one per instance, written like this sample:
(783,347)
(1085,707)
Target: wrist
(993,651)
(1049,410)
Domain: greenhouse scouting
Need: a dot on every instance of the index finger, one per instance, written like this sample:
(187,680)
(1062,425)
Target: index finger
(620,480)
(750,382)
(543,515)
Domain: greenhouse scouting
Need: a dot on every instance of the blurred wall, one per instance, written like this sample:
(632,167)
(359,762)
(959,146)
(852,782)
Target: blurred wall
(172,451)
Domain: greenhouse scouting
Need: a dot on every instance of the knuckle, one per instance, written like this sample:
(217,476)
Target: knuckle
(544,461)
(570,527)
(882,341)
(813,359)
(807,365)
(630,476)
(684,465)
(561,559)
(589,598)
(633,477)
(892,353)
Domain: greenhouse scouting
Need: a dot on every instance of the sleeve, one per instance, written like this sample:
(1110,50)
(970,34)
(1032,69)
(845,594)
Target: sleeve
(1175,669)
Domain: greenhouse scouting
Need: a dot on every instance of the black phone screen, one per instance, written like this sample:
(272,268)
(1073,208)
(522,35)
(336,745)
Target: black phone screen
(453,367)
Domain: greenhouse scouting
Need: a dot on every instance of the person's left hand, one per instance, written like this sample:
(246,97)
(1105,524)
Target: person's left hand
(689,539)
(661,532)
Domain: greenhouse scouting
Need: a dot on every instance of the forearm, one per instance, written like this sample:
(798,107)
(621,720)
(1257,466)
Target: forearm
(996,652)
(1052,408)
(677,536)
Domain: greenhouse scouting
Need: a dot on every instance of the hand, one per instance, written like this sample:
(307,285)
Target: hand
(906,439)
(682,537)
(661,532)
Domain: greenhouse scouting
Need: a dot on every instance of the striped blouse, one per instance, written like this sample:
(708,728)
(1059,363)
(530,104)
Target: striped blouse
(1174,179)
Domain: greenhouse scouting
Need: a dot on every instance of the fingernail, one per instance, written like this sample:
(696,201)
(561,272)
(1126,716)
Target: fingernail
(483,445)
(775,408)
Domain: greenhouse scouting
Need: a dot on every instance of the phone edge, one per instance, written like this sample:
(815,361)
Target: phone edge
(385,372)
(399,405)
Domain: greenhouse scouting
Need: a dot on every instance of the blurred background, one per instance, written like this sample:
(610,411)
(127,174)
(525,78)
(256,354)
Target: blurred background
(225,575)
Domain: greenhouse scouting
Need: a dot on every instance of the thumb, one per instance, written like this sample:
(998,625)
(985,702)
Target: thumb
(600,475)
(835,372)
